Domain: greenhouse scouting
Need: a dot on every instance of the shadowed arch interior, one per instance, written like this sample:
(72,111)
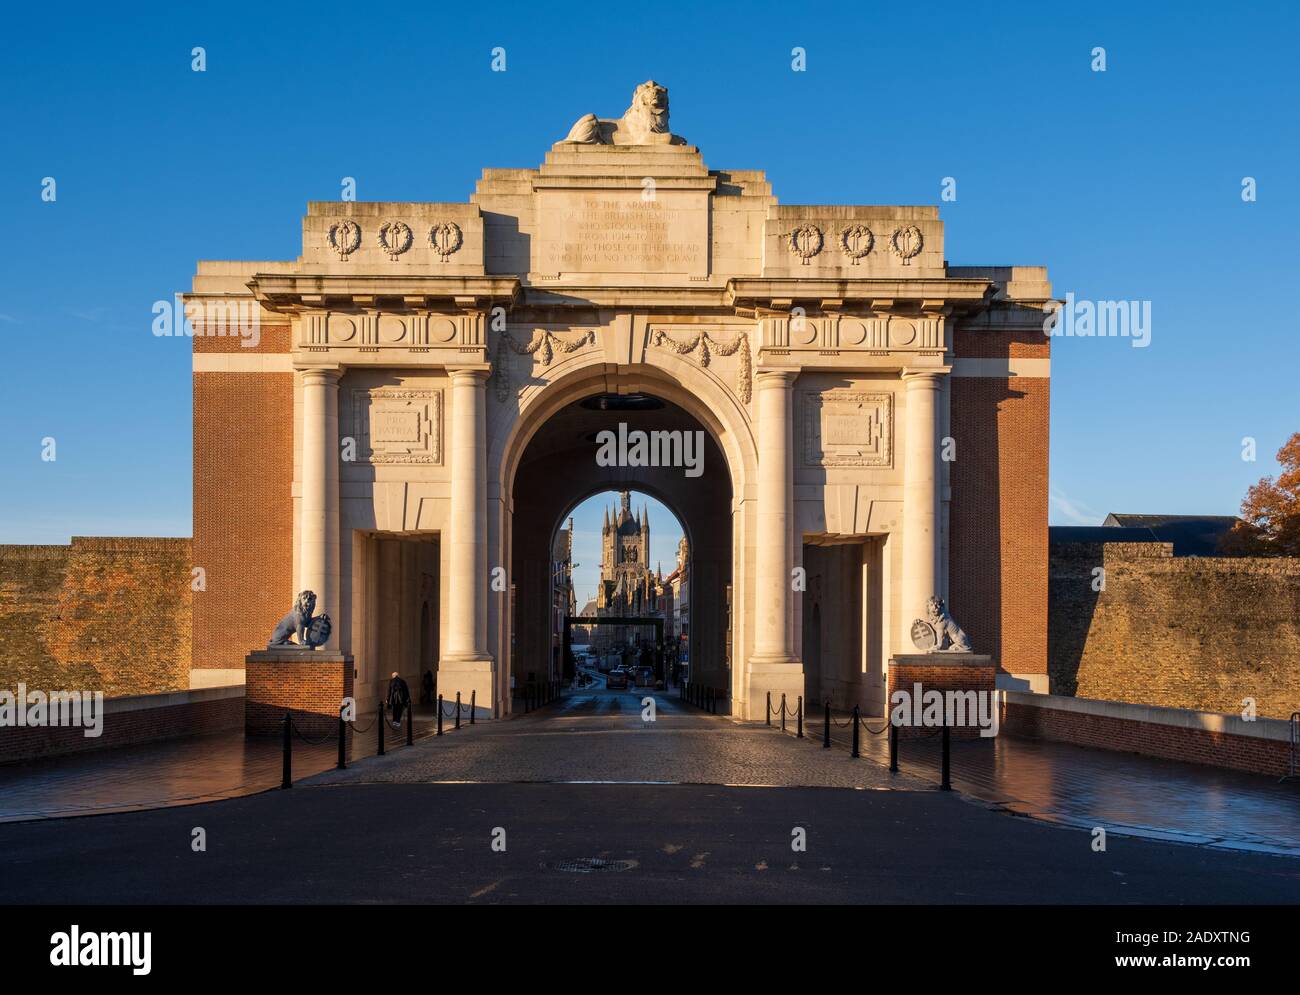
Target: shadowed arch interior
(558,469)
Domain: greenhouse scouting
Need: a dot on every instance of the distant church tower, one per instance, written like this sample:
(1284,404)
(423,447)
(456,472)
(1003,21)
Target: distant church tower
(626,584)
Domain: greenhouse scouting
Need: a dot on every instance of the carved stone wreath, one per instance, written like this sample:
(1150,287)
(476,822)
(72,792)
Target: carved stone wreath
(542,346)
(394,238)
(806,241)
(345,237)
(906,243)
(856,241)
(702,342)
(445,238)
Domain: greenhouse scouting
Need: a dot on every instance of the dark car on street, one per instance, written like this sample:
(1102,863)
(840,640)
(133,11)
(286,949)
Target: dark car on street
(616,680)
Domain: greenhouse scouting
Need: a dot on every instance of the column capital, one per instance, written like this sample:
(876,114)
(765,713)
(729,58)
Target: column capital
(925,376)
(477,375)
(775,378)
(325,375)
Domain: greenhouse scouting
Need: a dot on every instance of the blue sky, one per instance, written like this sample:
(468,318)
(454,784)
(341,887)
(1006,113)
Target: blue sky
(1126,183)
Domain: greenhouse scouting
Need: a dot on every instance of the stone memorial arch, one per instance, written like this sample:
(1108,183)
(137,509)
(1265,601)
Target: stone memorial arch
(419,403)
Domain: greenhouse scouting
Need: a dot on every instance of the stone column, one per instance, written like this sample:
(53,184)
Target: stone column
(921,497)
(773,667)
(465,664)
(318,539)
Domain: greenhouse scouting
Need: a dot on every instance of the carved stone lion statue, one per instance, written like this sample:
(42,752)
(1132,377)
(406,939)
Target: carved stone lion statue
(939,633)
(644,123)
(312,631)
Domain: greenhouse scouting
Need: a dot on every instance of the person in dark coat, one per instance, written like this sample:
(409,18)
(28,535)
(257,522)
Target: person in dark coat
(399,698)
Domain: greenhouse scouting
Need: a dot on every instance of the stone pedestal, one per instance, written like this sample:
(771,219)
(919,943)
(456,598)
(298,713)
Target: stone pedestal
(308,684)
(473,679)
(942,672)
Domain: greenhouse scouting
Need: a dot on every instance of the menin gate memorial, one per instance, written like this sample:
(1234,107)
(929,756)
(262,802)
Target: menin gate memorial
(418,414)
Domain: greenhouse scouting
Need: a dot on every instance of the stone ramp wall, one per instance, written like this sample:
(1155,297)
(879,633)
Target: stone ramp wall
(132,720)
(1260,747)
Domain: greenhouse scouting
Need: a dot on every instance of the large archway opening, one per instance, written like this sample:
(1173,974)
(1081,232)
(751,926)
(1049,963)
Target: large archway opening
(621,443)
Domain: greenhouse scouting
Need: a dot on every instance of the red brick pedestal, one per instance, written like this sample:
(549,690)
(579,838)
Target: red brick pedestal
(308,684)
(940,672)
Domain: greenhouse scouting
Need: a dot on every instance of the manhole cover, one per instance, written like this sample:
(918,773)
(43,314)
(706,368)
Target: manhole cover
(593,865)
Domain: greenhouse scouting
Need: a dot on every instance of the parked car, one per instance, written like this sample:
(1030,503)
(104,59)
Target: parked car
(616,680)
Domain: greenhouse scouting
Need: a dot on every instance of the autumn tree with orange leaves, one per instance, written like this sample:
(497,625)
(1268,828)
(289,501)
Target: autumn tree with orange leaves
(1270,514)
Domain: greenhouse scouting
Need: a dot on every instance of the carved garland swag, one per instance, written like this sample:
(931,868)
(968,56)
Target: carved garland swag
(544,344)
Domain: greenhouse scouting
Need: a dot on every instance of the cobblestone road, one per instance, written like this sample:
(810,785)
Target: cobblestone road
(599,735)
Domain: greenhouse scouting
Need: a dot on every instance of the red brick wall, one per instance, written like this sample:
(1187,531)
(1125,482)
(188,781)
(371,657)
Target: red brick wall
(145,725)
(1201,746)
(243,511)
(998,515)
(311,691)
(906,676)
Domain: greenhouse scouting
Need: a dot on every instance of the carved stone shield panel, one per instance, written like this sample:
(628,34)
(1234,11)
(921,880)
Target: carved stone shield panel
(395,425)
(848,428)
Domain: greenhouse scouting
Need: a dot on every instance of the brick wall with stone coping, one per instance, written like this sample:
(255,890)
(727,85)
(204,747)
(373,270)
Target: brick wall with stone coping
(940,672)
(128,721)
(309,686)
(1184,632)
(1214,739)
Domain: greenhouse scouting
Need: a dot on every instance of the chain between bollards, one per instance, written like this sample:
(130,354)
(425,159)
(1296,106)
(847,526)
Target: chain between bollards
(286,776)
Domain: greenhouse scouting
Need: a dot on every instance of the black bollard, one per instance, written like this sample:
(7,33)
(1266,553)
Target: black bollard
(457,709)
(343,742)
(379,724)
(799,713)
(410,724)
(439,713)
(769,708)
(946,783)
(286,777)
(893,748)
(783,711)
(473,704)
(857,733)
(826,727)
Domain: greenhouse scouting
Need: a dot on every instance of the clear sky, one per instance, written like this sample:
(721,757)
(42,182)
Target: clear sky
(1126,183)
(588,517)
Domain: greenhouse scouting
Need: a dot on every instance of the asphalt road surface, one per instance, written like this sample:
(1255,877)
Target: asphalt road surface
(631,843)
